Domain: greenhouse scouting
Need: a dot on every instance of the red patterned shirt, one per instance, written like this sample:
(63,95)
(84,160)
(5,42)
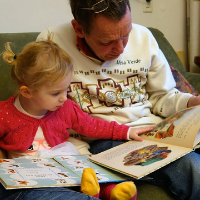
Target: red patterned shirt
(17,130)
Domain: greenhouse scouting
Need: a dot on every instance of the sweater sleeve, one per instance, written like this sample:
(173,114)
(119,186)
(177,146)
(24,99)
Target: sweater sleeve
(95,127)
(165,98)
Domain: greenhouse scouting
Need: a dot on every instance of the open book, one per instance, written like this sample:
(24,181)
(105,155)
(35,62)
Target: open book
(60,171)
(171,139)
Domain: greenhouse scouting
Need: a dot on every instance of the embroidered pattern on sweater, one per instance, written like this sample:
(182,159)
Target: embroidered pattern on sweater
(115,71)
(107,93)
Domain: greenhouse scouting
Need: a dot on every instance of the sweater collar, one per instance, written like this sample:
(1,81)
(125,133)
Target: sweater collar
(19,107)
(85,49)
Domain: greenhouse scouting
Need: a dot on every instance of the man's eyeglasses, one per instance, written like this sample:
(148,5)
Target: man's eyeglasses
(100,6)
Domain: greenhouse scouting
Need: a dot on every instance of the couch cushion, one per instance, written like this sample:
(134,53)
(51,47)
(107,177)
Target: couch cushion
(19,40)
(168,50)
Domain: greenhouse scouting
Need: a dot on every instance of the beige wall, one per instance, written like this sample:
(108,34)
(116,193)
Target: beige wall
(168,15)
(36,15)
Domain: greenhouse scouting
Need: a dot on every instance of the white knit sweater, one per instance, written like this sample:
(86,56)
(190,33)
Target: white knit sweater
(133,89)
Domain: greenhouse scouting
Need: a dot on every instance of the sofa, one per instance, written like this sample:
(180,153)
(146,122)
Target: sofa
(186,82)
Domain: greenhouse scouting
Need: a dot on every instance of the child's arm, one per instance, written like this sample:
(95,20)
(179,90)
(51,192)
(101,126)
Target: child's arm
(135,132)
(97,128)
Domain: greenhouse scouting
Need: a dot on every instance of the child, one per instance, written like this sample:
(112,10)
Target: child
(39,116)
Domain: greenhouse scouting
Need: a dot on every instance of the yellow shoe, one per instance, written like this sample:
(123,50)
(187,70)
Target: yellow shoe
(124,191)
(89,183)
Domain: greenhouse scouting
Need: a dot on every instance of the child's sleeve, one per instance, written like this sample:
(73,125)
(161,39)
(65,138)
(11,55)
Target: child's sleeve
(89,126)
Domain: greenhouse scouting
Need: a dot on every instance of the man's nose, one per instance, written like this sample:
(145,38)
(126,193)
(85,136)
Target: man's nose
(119,46)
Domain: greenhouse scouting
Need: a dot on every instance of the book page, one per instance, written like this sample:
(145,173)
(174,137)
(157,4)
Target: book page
(35,172)
(181,129)
(77,163)
(45,172)
(138,159)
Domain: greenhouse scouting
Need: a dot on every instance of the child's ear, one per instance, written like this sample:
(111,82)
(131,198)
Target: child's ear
(25,91)
(78,29)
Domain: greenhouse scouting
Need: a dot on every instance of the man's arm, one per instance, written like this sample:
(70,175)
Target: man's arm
(165,98)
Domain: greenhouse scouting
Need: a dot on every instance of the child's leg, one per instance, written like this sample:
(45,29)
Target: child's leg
(109,191)
(122,191)
(89,183)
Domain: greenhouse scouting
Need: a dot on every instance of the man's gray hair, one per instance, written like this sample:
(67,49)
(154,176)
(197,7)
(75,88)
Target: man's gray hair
(116,9)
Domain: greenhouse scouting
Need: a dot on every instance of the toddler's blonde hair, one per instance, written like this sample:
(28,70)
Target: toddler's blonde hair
(38,63)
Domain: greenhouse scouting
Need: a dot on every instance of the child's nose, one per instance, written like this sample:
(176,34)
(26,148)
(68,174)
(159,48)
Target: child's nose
(63,98)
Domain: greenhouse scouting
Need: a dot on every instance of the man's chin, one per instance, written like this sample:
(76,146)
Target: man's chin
(111,57)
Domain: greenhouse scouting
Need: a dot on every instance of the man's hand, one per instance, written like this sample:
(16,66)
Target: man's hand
(193,101)
(135,132)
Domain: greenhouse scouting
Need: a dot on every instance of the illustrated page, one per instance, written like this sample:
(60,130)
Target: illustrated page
(78,163)
(181,129)
(137,159)
(36,172)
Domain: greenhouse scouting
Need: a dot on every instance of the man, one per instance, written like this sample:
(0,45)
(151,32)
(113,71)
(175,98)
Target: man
(121,74)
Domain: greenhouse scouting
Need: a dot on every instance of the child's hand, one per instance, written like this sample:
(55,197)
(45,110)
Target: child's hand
(135,132)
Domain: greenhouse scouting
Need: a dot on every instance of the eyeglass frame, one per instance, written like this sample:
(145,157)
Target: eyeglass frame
(92,8)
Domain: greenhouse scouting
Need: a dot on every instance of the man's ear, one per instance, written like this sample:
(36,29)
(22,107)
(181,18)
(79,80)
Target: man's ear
(25,91)
(78,29)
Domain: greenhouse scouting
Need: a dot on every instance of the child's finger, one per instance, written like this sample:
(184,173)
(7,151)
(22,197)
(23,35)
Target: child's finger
(144,129)
(138,138)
